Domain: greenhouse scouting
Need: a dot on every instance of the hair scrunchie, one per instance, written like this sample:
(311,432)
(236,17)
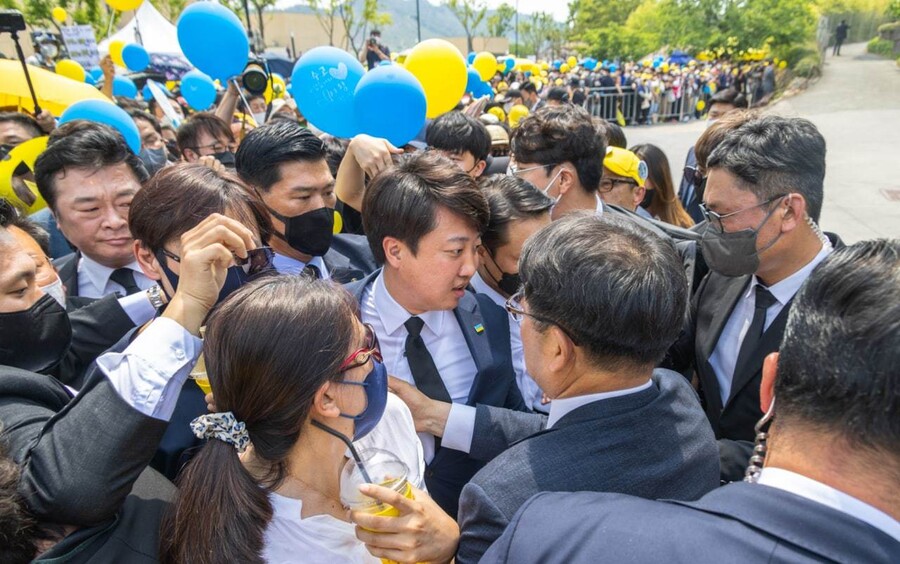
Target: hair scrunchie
(224,427)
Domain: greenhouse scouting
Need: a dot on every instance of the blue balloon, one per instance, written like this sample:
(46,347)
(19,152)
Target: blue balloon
(471,58)
(89,79)
(484,89)
(613,68)
(123,86)
(96,73)
(324,80)
(213,39)
(149,95)
(198,90)
(385,63)
(135,57)
(510,63)
(107,113)
(473,79)
(590,64)
(656,64)
(389,102)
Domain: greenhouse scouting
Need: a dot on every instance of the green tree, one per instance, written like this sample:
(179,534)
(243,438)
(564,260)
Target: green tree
(326,12)
(470,14)
(501,21)
(171,9)
(358,18)
(260,6)
(536,32)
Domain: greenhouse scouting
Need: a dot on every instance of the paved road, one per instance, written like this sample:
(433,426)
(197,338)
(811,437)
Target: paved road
(856,106)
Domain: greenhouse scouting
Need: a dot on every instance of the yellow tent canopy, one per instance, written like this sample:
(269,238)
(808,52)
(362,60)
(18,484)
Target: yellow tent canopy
(54,92)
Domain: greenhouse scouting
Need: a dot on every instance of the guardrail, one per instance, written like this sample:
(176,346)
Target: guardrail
(671,105)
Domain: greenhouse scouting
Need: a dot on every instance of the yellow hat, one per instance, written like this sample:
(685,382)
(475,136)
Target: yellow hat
(623,162)
(499,113)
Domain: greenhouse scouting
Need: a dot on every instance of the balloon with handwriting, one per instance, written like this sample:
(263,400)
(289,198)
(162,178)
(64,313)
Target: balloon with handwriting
(324,80)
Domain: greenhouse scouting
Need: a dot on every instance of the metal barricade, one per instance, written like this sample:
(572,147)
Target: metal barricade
(603,102)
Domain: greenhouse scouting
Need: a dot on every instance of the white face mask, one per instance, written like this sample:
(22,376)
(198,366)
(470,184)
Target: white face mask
(56,291)
(546,190)
(259,117)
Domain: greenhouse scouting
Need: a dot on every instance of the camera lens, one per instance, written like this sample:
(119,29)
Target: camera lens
(255,79)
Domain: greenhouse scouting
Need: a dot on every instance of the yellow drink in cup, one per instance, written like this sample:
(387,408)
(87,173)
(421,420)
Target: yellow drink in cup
(384,469)
(198,373)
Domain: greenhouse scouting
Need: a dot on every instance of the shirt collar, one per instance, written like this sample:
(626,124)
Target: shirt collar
(812,490)
(287,265)
(599,205)
(560,407)
(482,287)
(785,290)
(98,274)
(393,315)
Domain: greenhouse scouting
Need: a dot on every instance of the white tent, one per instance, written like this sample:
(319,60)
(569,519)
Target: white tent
(157,34)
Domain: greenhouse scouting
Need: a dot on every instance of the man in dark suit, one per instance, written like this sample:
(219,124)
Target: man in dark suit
(828,491)
(762,201)
(83,461)
(286,165)
(602,300)
(424,220)
(88,176)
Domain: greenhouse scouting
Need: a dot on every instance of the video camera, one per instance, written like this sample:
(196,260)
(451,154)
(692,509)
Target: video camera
(11,21)
(256,76)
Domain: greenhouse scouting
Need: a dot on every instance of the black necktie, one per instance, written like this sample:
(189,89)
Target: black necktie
(311,272)
(124,277)
(424,372)
(764,300)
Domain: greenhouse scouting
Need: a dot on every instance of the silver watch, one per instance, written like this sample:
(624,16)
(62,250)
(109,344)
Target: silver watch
(155,295)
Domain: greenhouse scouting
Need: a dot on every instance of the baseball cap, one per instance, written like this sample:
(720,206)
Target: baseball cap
(623,162)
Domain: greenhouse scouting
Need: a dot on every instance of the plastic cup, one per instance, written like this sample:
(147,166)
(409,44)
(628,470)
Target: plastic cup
(385,470)
(198,373)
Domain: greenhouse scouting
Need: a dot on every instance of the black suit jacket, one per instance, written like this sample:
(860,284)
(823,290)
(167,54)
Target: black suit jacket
(349,259)
(734,421)
(653,443)
(739,522)
(67,269)
(495,385)
(84,462)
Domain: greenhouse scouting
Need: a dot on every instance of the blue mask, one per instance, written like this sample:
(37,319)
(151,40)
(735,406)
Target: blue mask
(376,387)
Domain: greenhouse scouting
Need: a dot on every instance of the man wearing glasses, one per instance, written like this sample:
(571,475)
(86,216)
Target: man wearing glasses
(623,180)
(761,241)
(207,139)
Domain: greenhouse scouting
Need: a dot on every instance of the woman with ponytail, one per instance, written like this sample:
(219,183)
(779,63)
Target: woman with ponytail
(295,375)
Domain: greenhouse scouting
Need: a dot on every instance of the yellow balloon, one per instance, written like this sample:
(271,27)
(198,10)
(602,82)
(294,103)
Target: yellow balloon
(338,223)
(171,84)
(124,5)
(664,67)
(441,69)
(782,65)
(20,189)
(115,52)
(70,69)
(486,65)
(498,113)
(564,68)
(545,65)
(276,89)
(543,73)
(59,15)
(572,61)
(701,105)
(516,113)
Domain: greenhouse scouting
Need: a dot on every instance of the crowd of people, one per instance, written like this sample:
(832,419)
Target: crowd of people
(557,355)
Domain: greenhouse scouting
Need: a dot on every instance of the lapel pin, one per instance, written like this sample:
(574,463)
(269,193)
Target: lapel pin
(479,328)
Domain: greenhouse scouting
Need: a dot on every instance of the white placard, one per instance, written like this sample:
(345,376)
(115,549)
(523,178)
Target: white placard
(81,44)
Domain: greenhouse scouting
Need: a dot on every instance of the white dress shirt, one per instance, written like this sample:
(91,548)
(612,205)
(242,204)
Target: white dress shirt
(447,345)
(531,392)
(94,282)
(643,213)
(812,490)
(724,356)
(287,265)
(563,406)
(150,372)
(599,205)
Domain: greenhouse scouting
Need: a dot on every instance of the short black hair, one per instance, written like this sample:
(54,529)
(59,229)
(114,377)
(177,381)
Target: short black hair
(402,201)
(558,94)
(144,116)
(335,149)
(837,368)
(82,144)
(188,134)
(28,122)
(617,289)
(528,87)
(774,155)
(510,198)
(554,135)
(11,216)
(610,133)
(729,96)
(265,148)
(458,133)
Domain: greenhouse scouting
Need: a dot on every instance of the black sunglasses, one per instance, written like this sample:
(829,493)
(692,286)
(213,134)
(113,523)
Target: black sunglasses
(258,261)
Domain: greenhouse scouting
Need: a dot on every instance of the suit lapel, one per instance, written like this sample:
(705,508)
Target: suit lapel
(468,315)
(769,343)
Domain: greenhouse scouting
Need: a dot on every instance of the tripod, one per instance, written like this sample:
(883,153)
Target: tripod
(15,37)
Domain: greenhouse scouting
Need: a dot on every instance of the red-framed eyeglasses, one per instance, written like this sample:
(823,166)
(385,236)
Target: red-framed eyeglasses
(362,356)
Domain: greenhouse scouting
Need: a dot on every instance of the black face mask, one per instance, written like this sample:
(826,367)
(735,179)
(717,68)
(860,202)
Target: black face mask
(648,199)
(226,158)
(5,150)
(35,339)
(508,283)
(310,233)
(154,159)
(260,264)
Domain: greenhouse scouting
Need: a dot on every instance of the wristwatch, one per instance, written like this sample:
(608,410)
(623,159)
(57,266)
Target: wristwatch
(156,296)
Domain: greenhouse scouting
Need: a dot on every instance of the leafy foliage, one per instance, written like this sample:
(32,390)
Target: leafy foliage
(470,14)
